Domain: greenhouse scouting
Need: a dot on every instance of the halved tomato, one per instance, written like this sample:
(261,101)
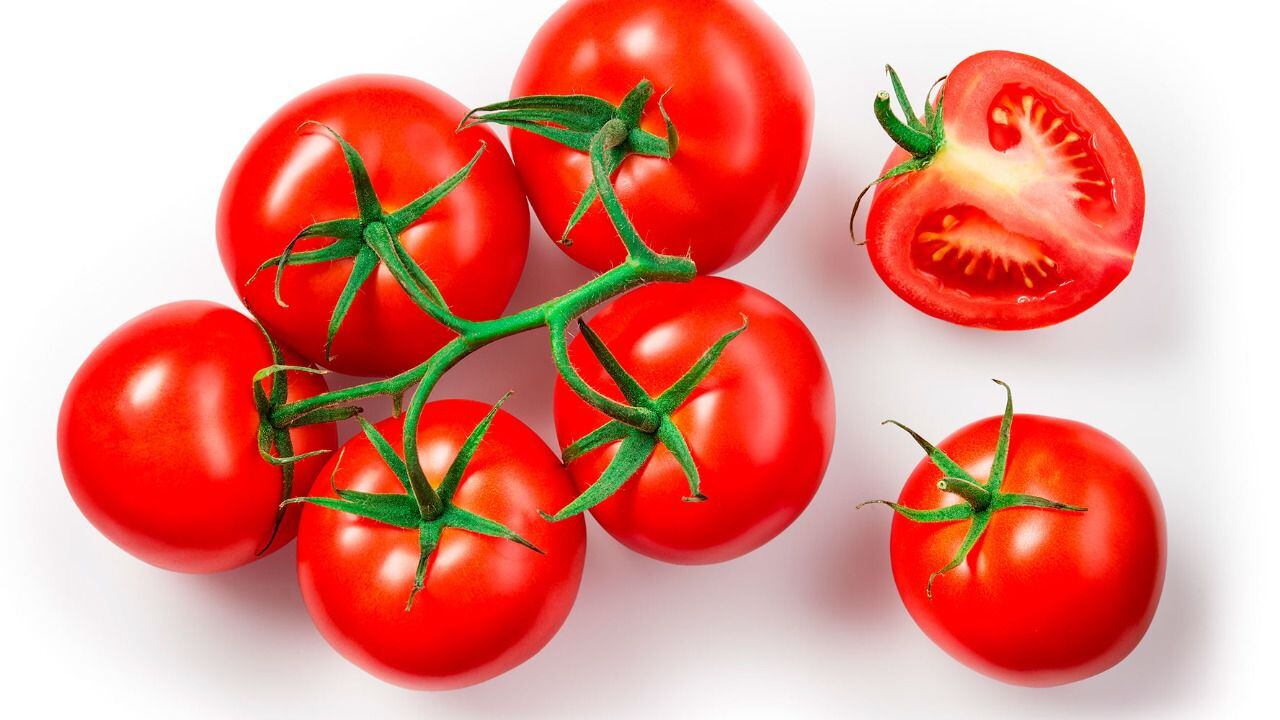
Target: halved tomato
(1024,210)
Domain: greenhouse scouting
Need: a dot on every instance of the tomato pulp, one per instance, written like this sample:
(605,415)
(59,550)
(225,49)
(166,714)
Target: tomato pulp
(1029,212)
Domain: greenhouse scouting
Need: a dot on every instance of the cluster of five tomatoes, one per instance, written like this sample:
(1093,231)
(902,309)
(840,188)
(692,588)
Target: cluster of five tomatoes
(158,431)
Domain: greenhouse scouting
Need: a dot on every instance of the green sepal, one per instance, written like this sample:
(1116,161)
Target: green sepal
(365,263)
(387,508)
(1001,459)
(612,431)
(456,517)
(946,513)
(1016,500)
(581,122)
(400,220)
(674,396)
(982,500)
(672,439)
(631,456)
(366,198)
(939,459)
(453,476)
(388,454)
(922,139)
(903,101)
(977,526)
(631,389)
(371,238)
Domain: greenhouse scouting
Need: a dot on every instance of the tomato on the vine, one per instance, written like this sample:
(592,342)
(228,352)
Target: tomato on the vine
(486,604)
(1021,203)
(740,98)
(293,175)
(1050,567)
(759,426)
(158,439)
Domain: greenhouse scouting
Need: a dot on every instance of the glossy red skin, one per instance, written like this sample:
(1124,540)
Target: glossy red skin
(488,604)
(1046,597)
(158,439)
(472,244)
(741,100)
(760,426)
(1096,266)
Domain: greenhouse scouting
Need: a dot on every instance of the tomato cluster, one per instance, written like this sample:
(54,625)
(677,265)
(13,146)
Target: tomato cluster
(375,226)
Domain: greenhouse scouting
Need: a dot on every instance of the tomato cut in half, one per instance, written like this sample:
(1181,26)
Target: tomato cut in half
(1020,208)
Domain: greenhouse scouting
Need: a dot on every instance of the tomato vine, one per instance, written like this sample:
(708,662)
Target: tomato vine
(608,134)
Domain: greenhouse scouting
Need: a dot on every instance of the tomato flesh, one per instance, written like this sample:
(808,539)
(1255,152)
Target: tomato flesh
(1028,214)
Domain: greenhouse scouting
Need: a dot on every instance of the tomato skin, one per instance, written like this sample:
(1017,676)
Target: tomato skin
(1046,597)
(157,438)
(1025,193)
(760,425)
(488,604)
(745,121)
(472,244)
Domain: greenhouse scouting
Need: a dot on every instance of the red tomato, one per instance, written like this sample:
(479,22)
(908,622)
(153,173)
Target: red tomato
(1046,596)
(472,244)
(158,439)
(1030,212)
(488,603)
(740,98)
(759,426)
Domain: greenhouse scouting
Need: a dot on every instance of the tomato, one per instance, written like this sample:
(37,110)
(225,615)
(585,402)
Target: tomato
(472,244)
(740,98)
(1027,215)
(488,604)
(158,439)
(760,425)
(1046,596)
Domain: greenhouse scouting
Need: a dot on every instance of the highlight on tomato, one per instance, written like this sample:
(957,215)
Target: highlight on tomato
(453,581)
(1014,202)
(746,427)
(162,442)
(1030,548)
(356,213)
(735,98)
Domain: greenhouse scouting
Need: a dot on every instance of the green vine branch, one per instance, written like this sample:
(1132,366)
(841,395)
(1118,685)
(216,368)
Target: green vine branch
(608,134)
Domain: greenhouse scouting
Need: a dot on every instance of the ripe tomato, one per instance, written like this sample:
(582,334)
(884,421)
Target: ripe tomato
(158,438)
(488,603)
(1046,596)
(759,426)
(1030,212)
(741,101)
(472,244)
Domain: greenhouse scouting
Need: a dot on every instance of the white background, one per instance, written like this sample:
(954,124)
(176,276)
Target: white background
(119,123)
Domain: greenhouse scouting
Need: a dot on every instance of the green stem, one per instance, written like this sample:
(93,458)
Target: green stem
(977,496)
(475,335)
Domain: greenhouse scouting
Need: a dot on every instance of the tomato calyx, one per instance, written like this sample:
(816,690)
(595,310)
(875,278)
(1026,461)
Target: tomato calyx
(922,138)
(421,508)
(981,500)
(371,239)
(274,443)
(606,132)
(637,444)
